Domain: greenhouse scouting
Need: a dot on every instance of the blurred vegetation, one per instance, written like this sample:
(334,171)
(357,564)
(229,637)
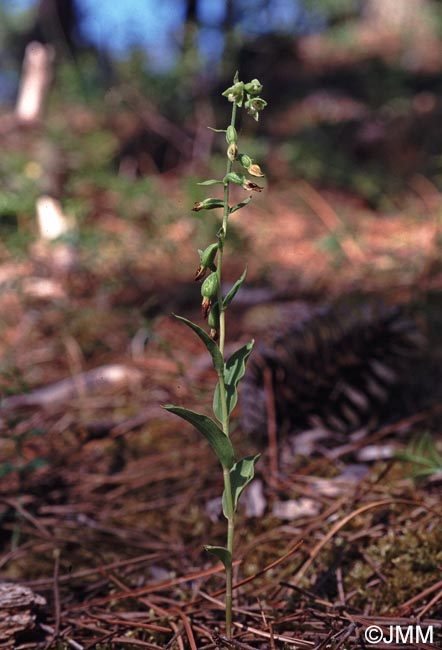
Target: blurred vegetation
(355,95)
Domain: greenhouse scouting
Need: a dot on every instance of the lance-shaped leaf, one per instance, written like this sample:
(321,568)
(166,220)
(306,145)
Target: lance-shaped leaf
(233,291)
(221,553)
(240,476)
(217,357)
(212,181)
(217,439)
(238,206)
(234,372)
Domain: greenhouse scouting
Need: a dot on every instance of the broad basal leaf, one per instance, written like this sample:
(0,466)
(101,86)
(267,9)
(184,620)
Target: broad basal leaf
(217,439)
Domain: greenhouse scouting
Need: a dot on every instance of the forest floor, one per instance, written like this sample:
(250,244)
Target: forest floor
(106,501)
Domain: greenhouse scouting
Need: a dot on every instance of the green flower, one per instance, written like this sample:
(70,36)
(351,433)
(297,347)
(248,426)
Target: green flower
(254,105)
(253,88)
(235,93)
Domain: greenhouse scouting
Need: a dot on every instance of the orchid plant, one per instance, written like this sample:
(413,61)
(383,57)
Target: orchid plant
(237,474)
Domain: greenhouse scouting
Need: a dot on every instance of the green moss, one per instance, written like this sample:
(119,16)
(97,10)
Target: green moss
(409,562)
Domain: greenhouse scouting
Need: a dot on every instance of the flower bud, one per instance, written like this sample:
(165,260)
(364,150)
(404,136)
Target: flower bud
(233,177)
(247,163)
(207,258)
(232,151)
(209,287)
(207,204)
(253,87)
(208,255)
(245,160)
(231,135)
(240,179)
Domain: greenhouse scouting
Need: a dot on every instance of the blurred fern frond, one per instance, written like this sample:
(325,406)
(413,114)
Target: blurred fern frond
(424,457)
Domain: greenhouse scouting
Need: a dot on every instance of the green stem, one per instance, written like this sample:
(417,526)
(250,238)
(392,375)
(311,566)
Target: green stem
(222,236)
(225,415)
(230,535)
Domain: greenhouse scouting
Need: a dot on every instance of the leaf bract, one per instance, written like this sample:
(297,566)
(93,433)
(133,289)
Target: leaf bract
(221,553)
(233,291)
(234,372)
(215,353)
(240,205)
(212,181)
(240,476)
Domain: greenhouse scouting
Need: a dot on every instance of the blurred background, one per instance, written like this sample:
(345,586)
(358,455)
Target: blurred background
(354,86)
(104,109)
(127,92)
(354,90)
(104,112)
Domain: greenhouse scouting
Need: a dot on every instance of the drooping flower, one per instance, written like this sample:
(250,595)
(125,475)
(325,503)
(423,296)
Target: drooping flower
(254,105)
(207,204)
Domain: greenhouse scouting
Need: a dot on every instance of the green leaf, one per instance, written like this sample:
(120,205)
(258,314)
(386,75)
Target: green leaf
(212,181)
(240,476)
(238,206)
(221,553)
(234,372)
(217,357)
(216,130)
(217,439)
(217,409)
(232,293)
